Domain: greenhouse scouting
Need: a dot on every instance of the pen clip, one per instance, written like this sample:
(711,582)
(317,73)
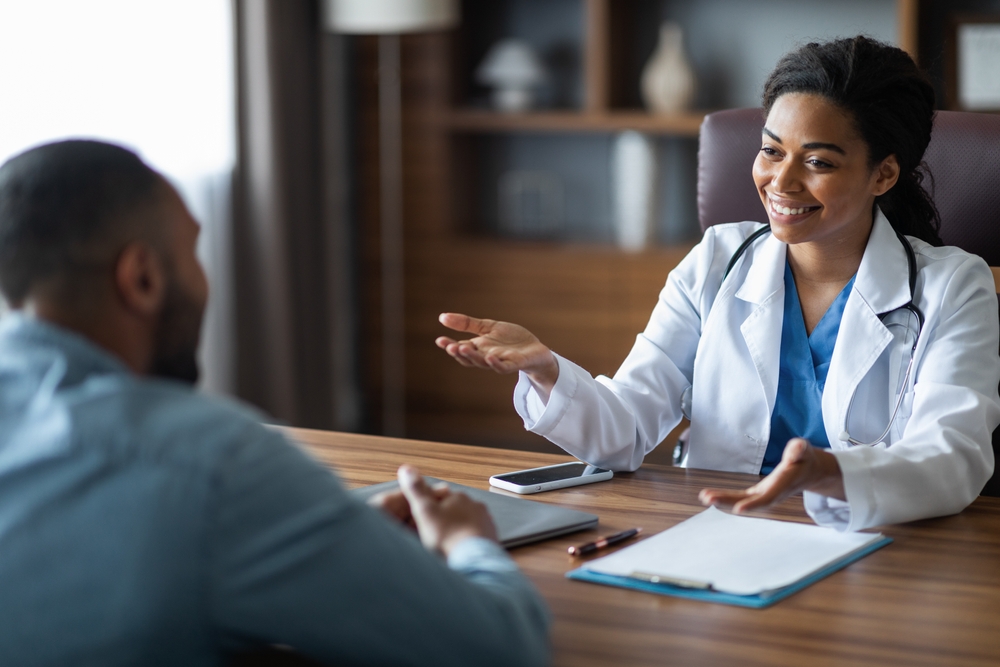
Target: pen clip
(671,581)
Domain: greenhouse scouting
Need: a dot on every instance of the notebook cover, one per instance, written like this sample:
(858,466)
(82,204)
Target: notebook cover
(759,601)
(518,521)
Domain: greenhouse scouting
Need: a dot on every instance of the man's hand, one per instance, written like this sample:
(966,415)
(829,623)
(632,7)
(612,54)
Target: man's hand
(802,468)
(502,347)
(441,517)
(396,506)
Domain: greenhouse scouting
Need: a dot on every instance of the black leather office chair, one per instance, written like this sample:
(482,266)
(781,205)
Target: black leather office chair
(963,158)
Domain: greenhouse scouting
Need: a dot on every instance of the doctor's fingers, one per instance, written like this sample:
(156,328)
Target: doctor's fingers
(460,322)
(777,486)
(468,354)
(721,497)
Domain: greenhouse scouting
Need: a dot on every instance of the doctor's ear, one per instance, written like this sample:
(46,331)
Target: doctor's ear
(885,175)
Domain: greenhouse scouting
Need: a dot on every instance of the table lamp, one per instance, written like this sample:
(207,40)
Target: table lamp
(388,19)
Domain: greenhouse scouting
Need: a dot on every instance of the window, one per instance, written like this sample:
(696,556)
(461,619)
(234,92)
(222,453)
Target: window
(157,77)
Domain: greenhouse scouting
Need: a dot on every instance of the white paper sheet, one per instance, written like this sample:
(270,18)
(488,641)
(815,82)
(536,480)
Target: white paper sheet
(734,554)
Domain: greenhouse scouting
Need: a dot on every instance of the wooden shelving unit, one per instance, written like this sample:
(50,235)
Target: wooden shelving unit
(475,120)
(587,301)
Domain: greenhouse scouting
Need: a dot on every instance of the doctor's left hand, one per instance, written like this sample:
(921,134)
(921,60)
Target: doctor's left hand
(802,468)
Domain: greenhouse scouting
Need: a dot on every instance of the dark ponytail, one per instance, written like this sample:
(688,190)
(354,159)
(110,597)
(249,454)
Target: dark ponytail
(892,106)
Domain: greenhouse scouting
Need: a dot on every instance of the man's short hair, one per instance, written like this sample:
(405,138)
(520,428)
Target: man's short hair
(66,210)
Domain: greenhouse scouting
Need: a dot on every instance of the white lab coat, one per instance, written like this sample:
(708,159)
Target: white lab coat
(721,340)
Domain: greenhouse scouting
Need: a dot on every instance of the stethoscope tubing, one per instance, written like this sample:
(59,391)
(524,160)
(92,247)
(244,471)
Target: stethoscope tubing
(911,261)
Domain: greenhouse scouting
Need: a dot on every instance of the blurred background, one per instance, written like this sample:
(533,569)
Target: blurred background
(360,166)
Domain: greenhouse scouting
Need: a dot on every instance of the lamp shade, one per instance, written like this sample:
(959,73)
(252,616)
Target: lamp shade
(379,17)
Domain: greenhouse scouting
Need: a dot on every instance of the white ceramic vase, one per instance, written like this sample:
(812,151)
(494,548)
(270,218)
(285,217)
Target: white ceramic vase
(667,83)
(634,177)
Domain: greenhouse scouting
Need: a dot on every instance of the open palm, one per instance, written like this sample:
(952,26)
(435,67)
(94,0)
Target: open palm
(499,346)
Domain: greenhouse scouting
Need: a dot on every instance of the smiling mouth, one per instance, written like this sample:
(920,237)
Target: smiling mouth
(787,211)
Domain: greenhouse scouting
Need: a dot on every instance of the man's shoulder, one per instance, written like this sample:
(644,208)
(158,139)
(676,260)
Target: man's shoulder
(170,422)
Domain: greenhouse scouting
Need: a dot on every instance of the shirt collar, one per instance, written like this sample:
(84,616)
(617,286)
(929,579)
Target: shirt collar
(882,279)
(17,328)
(766,274)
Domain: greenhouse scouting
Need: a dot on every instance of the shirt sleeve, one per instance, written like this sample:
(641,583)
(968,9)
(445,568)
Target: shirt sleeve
(614,422)
(295,560)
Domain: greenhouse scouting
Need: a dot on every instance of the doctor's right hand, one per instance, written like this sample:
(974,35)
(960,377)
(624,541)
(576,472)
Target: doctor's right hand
(502,347)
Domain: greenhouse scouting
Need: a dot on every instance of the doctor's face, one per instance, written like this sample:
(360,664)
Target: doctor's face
(813,176)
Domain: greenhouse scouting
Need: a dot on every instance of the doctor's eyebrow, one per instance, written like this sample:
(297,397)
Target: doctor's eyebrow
(811,145)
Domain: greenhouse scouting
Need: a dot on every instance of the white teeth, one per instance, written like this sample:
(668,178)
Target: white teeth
(784,210)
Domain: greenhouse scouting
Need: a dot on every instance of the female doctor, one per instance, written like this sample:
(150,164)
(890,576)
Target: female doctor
(843,352)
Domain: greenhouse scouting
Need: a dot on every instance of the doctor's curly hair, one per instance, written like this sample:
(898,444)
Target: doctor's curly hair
(892,105)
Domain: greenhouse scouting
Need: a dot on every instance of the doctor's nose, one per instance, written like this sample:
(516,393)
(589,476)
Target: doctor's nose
(785,178)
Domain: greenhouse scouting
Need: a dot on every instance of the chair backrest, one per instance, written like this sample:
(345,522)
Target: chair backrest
(963,159)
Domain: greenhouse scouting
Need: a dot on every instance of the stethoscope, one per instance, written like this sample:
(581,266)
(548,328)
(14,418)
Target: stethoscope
(911,261)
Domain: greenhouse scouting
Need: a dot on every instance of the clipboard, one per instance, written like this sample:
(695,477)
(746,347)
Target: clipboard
(648,568)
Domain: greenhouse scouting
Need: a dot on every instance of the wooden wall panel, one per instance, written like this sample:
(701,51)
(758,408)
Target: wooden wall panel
(587,302)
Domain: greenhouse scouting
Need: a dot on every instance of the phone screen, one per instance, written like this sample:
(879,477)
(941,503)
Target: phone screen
(543,475)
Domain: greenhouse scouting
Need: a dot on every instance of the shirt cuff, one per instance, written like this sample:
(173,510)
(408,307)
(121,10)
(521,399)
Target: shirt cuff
(477,554)
(858,511)
(540,417)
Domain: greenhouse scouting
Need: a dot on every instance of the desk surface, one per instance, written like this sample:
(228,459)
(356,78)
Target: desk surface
(930,598)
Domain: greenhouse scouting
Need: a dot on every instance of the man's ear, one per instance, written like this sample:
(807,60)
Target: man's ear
(140,279)
(886,175)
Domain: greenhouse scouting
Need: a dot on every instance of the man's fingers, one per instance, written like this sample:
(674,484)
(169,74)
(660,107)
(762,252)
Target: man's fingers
(413,486)
(460,322)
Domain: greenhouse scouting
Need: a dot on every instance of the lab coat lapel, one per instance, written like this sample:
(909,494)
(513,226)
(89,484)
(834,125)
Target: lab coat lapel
(880,286)
(765,286)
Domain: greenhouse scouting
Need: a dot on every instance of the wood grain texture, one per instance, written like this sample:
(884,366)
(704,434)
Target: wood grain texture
(588,302)
(596,52)
(930,598)
(907,25)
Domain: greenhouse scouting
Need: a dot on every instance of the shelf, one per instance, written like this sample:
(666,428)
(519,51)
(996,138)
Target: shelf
(474,120)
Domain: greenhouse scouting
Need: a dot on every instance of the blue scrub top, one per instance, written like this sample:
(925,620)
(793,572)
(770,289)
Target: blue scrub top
(805,360)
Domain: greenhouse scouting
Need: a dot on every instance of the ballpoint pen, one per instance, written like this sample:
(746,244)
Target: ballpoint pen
(591,547)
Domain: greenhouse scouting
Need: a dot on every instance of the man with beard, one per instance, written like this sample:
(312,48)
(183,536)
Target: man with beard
(144,523)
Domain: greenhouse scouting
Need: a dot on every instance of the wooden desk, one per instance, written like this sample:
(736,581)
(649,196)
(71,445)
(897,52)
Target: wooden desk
(930,598)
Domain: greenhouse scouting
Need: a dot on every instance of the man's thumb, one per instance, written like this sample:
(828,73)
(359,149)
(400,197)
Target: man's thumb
(413,485)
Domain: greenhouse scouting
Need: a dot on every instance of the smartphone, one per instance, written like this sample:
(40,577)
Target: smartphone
(547,478)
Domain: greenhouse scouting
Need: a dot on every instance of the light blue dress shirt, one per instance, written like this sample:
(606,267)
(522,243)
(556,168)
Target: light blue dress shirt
(143,523)
(805,360)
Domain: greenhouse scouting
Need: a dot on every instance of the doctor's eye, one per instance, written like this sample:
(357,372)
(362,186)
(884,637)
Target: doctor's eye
(770,152)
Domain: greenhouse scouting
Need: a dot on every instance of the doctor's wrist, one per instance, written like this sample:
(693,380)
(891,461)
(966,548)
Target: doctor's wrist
(828,480)
(544,377)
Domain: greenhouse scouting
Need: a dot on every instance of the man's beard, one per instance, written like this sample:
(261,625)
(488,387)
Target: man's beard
(176,344)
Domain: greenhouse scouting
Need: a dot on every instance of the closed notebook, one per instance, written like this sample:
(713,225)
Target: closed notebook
(738,560)
(518,521)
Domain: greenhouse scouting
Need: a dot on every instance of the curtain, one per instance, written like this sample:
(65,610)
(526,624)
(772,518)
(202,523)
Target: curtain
(294,328)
